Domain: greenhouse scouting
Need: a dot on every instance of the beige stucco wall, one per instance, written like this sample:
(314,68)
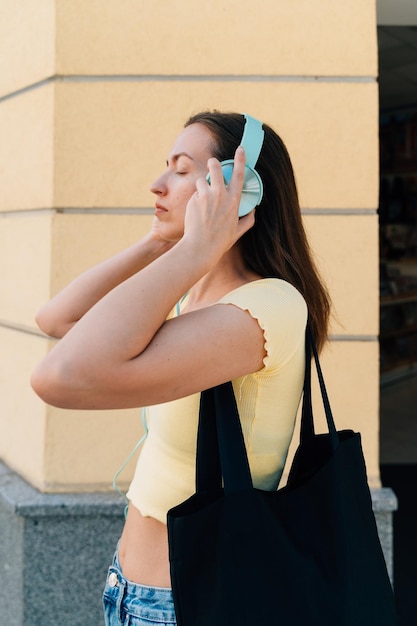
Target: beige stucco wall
(92,93)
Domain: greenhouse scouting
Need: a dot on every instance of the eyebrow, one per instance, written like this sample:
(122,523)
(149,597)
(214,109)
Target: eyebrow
(175,157)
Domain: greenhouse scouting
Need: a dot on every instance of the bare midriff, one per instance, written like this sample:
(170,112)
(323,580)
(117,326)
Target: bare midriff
(143,550)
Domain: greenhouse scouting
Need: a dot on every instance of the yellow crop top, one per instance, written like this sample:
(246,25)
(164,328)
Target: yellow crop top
(267,401)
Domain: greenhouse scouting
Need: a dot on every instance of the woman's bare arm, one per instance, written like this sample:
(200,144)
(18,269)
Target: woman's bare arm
(60,314)
(123,353)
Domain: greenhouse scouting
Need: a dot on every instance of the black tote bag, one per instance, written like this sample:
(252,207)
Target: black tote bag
(307,554)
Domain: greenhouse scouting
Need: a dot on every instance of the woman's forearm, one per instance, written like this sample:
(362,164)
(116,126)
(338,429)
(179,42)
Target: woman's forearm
(60,314)
(121,325)
(96,353)
(104,349)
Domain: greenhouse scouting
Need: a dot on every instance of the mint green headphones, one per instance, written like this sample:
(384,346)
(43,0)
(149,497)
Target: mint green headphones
(252,140)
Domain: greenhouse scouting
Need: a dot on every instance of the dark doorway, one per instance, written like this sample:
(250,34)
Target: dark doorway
(398,312)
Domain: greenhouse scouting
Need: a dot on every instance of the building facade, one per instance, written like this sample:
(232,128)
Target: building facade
(92,93)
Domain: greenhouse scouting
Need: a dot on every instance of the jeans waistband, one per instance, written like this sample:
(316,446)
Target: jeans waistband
(151,603)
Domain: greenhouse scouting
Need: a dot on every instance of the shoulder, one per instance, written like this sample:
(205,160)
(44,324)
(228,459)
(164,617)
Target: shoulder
(267,294)
(281,312)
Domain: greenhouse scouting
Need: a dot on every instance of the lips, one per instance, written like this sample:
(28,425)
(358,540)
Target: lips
(160,209)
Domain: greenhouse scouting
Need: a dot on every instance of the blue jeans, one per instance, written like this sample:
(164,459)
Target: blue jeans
(130,604)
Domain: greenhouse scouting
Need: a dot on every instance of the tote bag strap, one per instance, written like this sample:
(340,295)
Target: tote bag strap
(221,451)
(208,468)
(307,420)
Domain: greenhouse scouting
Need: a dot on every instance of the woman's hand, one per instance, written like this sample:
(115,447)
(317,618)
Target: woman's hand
(211,219)
(156,241)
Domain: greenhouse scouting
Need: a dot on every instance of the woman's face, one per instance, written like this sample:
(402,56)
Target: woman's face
(186,162)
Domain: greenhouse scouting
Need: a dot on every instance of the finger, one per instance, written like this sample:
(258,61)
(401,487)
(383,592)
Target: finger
(202,187)
(238,175)
(215,171)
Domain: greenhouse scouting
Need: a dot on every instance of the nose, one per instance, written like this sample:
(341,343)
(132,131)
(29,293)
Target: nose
(159,187)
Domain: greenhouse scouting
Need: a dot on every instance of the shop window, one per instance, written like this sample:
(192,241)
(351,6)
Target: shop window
(398,243)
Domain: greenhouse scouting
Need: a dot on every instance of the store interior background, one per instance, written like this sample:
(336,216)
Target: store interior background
(398,242)
(398,298)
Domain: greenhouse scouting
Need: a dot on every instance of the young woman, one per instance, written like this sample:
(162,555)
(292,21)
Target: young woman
(249,284)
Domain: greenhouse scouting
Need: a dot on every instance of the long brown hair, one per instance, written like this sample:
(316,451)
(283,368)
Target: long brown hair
(276,246)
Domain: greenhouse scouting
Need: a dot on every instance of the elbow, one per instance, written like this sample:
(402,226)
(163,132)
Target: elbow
(55,386)
(47,326)
(50,326)
(46,384)
(66,385)
(37,383)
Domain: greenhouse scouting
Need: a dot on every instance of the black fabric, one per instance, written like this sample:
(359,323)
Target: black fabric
(308,553)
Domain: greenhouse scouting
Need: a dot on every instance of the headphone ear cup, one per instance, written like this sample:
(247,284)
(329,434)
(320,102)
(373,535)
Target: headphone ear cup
(252,190)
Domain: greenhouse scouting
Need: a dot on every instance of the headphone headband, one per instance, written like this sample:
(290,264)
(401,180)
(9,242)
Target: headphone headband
(252,139)
(251,142)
